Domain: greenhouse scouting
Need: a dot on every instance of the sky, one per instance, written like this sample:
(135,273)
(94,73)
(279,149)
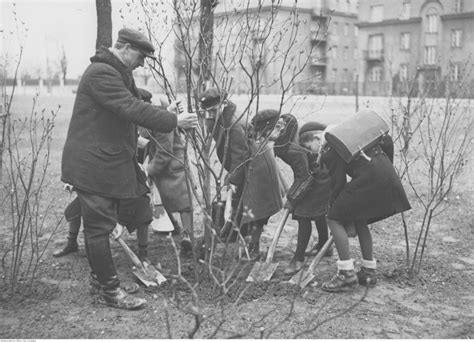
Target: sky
(50,25)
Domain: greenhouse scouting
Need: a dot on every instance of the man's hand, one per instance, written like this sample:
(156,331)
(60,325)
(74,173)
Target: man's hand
(288,205)
(187,120)
(117,232)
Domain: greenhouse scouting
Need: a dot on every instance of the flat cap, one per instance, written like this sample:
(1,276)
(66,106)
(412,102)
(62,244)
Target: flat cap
(210,97)
(312,126)
(138,40)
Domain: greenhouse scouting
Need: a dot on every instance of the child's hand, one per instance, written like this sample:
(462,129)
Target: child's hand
(117,232)
(175,107)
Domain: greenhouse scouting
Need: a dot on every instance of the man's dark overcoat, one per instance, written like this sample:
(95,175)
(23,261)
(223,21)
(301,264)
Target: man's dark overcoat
(99,155)
(254,173)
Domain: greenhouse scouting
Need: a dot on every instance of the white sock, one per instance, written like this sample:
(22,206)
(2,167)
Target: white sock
(345,265)
(369,264)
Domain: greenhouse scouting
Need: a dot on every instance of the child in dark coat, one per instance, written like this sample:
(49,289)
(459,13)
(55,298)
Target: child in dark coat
(252,172)
(373,193)
(313,204)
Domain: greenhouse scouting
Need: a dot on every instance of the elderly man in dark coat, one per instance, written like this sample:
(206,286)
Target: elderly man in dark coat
(252,170)
(99,156)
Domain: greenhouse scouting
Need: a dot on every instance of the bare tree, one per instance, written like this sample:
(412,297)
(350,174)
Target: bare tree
(64,64)
(104,23)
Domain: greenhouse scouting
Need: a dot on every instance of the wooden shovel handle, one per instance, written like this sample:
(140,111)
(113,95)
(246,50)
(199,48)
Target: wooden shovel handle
(272,248)
(130,253)
(319,256)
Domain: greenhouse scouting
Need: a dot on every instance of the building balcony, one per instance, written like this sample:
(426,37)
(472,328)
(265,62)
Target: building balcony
(319,36)
(318,60)
(373,55)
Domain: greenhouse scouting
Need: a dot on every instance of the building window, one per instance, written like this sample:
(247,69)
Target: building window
(430,55)
(334,51)
(457,6)
(345,75)
(356,31)
(456,37)
(375,45)
(356,53)
(334,28)
(345,53)
(432,23)
(405,41)
(375,74)
(405,10)
(404,72)
(346,29)
(376,13)
(454,72)
(334,74)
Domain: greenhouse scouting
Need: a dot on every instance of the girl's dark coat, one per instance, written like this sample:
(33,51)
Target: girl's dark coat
(254,173)
(374,192)
(302,162)
(99,155)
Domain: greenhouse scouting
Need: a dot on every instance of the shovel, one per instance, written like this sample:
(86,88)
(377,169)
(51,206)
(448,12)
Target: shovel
(263,271)
(146,273)
(303,278)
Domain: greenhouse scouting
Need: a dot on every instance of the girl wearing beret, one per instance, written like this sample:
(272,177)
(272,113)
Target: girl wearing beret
(313,202)
(252,171)
(373,193)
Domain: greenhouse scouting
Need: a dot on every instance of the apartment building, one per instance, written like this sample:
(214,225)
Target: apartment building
(327,28)
(429,41)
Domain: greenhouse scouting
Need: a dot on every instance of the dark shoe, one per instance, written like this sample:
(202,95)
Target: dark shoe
(313,251)
(94,286)
(71,247)
(293,267)
(120,299)
(254,252)
(367,277)
(343,281)
(186,245)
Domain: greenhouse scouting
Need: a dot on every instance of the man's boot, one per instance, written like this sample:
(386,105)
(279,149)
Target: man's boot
(366,275)
(102,264)
(71,246)
(115,296)
(345,279)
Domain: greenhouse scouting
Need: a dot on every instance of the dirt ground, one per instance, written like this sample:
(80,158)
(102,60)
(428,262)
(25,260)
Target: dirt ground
(437,304)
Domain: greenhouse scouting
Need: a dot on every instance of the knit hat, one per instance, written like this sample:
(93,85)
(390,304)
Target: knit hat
(138,40)
(265,120)
(211,97)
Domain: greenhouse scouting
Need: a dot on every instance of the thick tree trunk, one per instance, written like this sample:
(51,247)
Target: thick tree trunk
(104,23)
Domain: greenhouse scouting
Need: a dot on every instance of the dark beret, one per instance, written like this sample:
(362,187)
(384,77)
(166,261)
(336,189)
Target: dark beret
(266,116)
(137,40)
(209,98)
(312,126)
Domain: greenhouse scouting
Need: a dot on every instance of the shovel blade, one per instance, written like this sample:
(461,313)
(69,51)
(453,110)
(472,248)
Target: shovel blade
(143,278)
(302,278)
(262,271)
(153,273)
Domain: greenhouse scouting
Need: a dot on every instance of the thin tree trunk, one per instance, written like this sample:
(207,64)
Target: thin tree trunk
(104,23)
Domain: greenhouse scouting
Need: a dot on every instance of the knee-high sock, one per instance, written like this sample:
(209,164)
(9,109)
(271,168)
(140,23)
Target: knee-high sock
(304,233)
(322,227)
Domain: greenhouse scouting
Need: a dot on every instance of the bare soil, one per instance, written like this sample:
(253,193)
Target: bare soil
(436,304)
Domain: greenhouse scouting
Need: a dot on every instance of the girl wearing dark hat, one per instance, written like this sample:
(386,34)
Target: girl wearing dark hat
(373,193)
(252,171)
(312,205)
